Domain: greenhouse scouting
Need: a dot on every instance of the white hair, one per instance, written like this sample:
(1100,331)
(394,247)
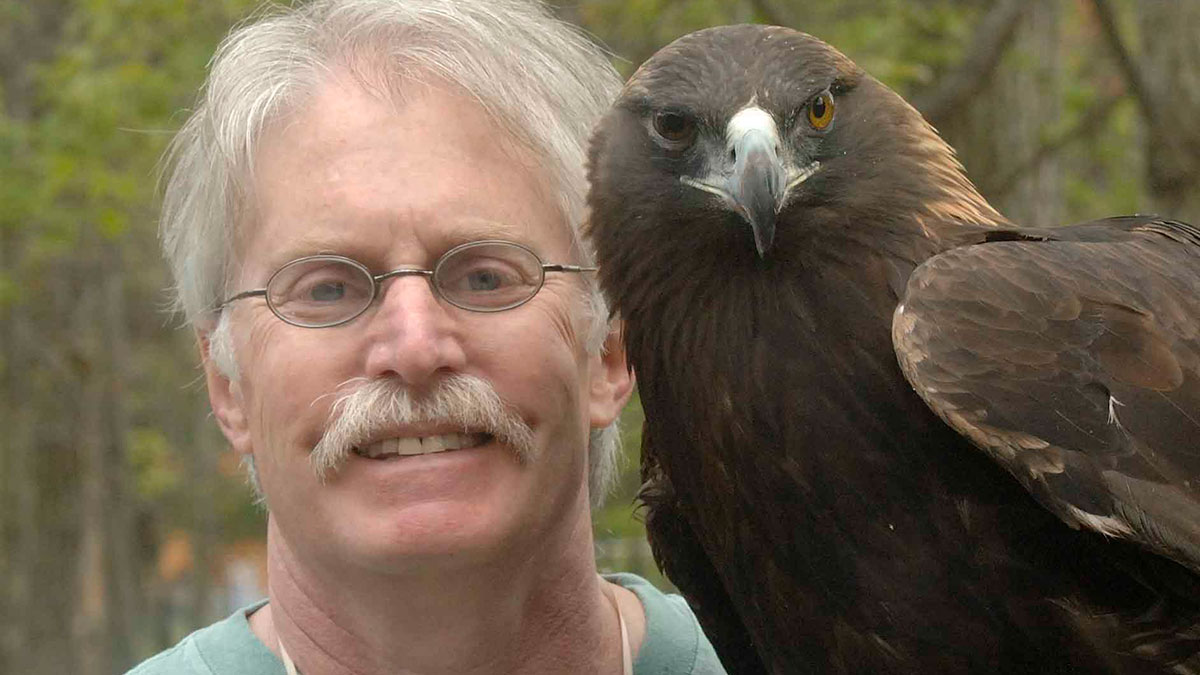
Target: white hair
(539,79)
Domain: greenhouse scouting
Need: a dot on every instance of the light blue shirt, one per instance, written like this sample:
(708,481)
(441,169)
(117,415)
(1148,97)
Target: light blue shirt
(674,643)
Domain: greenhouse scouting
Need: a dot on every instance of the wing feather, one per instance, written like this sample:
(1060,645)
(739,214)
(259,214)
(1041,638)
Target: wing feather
(1074,361)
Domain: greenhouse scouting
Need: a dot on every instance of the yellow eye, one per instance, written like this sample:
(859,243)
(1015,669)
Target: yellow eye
(820,110)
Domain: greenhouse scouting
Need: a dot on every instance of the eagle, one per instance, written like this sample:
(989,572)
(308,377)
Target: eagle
(887,429)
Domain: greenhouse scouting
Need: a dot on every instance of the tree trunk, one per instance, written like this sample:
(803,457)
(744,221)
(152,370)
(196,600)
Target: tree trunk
(28,35)
(121,564)
(1007,121)
(105,625)
(34,627)
(1170,66)
(18,495)
(91,626)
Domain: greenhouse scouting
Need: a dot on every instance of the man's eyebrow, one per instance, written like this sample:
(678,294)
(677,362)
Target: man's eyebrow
(454,232)
(474,229)
(312,245)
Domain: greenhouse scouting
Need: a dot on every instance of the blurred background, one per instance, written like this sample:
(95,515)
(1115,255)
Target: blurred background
(124,520)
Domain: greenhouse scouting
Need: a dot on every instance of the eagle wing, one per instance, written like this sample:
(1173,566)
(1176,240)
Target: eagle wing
(1073,359)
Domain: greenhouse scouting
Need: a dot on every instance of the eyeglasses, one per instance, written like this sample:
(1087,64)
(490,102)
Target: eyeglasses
(319,291)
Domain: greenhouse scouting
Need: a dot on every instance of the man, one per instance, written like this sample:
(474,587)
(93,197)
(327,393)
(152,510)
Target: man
(372,220)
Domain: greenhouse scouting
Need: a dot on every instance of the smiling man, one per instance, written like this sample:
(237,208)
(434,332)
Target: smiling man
(372,217)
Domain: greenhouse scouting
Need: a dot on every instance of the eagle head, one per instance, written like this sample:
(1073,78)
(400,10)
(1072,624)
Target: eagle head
(732,137)
(726,125)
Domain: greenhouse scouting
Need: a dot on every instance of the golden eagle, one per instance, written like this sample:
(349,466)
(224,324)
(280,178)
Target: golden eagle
(887,430)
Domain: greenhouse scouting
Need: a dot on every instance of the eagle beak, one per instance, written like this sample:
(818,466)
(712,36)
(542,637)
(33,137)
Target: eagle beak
(757,184)
(750,176)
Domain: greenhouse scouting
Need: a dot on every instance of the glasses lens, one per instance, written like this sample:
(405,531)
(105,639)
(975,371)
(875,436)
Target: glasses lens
(319,291)
(488,276)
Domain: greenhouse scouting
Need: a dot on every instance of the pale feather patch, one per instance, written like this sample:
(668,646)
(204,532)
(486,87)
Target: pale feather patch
(1109,526)
(1113,403)
(750,118)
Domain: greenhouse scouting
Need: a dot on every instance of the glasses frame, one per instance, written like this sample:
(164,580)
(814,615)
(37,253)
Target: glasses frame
(429,274)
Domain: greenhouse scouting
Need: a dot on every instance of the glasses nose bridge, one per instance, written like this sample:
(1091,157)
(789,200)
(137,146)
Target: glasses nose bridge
(379,279)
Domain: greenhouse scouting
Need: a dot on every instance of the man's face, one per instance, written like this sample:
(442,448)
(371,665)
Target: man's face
(394,186)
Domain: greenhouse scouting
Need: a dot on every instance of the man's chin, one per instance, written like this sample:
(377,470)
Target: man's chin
(443,486)
(439,536)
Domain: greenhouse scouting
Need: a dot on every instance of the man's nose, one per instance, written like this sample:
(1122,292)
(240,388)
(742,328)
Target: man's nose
(412,334)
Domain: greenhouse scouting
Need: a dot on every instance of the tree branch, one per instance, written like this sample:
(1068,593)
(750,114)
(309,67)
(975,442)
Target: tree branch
(1129,68)
(1092,118)
(1156,116)
(989,41)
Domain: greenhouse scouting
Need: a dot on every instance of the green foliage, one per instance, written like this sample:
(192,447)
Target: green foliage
(89,91)
(1112,180)
(10,291)
(155,470)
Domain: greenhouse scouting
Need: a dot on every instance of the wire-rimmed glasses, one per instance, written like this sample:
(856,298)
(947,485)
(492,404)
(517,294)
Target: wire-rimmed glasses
(320,291)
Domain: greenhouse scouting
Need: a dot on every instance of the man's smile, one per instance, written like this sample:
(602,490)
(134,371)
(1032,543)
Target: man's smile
(421,445)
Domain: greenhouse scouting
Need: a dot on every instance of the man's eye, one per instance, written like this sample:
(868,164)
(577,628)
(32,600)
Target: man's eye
(483,276)
(485,279)
(320,282)
(488,276)
(327,291)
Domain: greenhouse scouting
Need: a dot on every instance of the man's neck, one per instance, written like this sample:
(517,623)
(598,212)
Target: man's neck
(542,615)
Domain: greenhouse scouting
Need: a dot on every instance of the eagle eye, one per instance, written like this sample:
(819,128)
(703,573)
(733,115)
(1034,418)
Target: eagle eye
(675,128)
(820,110)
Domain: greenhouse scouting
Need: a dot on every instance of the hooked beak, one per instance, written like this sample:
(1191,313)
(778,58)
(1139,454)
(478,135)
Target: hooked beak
(757,185)
(752,178)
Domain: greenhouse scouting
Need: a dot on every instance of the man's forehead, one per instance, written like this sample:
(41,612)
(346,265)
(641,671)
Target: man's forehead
(343,117)
(339,113)
(436,133)
(432,241)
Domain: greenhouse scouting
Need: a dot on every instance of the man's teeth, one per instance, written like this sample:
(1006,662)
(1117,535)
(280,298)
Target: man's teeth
(420,446)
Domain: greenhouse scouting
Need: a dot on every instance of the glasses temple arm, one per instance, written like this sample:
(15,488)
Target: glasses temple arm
(244,294)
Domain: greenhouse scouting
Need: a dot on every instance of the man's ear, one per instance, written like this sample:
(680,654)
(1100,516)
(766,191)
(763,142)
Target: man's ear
(611,379)
(225,397)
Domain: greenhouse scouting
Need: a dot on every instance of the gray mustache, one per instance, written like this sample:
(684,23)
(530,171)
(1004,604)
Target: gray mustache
(371,407)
